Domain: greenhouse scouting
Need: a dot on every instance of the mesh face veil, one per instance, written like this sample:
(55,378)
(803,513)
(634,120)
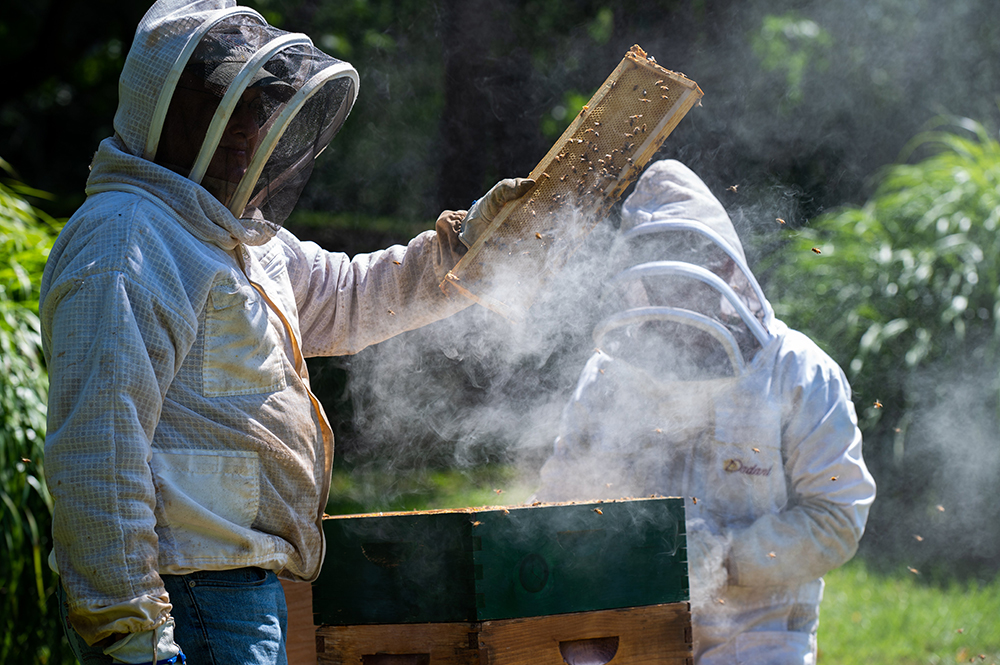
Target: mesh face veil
(244,108)
(684,303)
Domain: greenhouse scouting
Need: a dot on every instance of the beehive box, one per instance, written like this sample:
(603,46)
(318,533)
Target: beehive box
(585,172)
(501,563)
(652,635)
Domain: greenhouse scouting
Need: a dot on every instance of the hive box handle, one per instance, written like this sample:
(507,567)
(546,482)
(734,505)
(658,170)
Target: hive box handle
(396,659)
(594,651)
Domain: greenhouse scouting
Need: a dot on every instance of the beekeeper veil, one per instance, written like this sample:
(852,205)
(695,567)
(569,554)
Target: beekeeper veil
(683,303)
(211,91)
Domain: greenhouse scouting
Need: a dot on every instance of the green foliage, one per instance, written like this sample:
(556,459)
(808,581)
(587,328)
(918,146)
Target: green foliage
(904,293)
(790,45)
(913,276)
(29,626)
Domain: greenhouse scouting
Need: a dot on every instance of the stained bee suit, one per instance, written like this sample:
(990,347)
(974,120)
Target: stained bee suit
(177,314)
(697,390)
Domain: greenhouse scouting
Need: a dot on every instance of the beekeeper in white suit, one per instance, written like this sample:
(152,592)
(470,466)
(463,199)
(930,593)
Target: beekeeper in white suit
(187,457)
(696,390)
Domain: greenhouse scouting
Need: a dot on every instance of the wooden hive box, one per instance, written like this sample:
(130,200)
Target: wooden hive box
(657,634)
(487,564)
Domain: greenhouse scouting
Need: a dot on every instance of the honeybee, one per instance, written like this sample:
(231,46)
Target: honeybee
(658,82)
(756,450)
(598,511)
(834,478)
(817,250)
(694,500)
(498,491)
(538,235)
(919,539)
(772,554)
(878,404)
(732,188)
(398,263)
(779,220)
(476,523)
(392,313)
(913,570)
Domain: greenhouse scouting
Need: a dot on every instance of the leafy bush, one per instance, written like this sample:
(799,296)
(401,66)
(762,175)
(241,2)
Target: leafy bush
(29,626)
(904,291)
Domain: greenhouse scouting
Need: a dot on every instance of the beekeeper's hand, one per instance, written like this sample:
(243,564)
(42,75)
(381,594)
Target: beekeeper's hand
(485,210)
(707,572)
(449,248)
(149,646)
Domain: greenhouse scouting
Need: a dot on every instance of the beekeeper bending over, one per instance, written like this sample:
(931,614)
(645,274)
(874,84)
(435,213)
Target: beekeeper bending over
(188,459)
(696,390)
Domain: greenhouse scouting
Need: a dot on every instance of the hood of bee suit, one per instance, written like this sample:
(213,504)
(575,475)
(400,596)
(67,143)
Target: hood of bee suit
(681,267)
(197,69)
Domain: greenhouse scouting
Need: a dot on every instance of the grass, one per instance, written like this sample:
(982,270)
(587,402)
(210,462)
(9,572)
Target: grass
(899,620)
(866,617)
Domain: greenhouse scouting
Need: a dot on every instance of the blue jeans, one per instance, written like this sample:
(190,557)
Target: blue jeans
(223,617)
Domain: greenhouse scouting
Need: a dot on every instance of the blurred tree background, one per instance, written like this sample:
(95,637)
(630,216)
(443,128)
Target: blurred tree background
(808,105)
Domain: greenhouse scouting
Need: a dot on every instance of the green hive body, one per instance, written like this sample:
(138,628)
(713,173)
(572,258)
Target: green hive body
(499,563)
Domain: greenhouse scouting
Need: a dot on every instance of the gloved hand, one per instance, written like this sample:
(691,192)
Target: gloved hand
(155,646)
(485,210)
(707,553)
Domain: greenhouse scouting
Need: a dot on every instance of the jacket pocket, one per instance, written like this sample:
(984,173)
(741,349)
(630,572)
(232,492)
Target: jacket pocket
(243,351)
(206,491)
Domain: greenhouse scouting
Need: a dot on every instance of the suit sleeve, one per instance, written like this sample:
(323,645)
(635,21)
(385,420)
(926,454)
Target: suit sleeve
(830,488)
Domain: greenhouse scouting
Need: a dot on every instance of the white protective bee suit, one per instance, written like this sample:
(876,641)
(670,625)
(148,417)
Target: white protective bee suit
(754,427)
(177,314)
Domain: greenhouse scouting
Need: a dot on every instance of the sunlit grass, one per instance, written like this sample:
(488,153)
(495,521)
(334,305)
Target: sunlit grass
(898,620)
(359,491)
